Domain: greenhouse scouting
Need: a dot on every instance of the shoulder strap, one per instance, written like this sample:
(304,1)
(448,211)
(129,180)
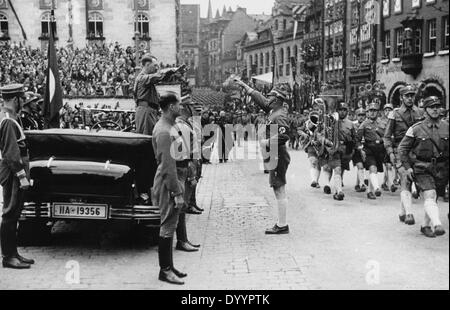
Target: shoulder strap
(403,119)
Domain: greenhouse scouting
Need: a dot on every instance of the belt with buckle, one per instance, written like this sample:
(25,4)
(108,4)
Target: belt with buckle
(434,160)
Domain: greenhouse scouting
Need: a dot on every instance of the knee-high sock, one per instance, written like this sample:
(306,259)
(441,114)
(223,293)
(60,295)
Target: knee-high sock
(338,182)
(374,181)
(315,174)
(432,210)
(361,177)
(282,212)
(406,200)
(328,176)
(427,221)
(391,176)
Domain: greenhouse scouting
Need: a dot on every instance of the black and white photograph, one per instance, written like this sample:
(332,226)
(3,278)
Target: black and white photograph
(200,146)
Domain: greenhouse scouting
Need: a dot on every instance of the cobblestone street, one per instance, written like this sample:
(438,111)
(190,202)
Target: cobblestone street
(331,246)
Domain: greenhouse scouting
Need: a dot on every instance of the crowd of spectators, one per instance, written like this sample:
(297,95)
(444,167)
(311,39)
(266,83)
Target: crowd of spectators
(94,71)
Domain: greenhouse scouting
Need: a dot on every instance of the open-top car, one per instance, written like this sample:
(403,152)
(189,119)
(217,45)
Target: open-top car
(79,175)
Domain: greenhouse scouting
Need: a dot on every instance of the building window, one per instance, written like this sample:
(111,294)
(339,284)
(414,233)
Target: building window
(387,44)
(398,42)
(445,33)
(284,24)
(367,55)
(143,26)
(261,60)
(276,24)
(288,69)
(267,59)
(281,56)
(46,24)
(431,28)
(95,25)
(288,54)
(295,52)
(4,28)
(418,41)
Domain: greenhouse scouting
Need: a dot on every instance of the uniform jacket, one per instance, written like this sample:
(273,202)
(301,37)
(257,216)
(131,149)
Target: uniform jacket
(13,147)
(371,131)
(399,121)
(145,90)
(166,178)
(278,118)
(347,136)
(417,143)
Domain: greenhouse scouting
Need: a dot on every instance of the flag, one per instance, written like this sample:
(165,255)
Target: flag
(53,99)
(298,12)
(18,20)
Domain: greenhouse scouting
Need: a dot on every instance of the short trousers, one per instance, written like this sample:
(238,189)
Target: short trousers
(432,178)
(340,160)
(277,177)
(376,155)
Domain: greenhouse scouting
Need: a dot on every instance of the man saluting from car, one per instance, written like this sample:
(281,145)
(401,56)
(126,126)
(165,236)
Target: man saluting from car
(14,174)
(147,100)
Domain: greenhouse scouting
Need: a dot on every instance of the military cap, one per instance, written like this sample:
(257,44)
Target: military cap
(408,89)
(279,92)
(148,57)
(361,111)
(12,90)
(373,106)
(388,106)
(342,106)
(431,102)
(31,97)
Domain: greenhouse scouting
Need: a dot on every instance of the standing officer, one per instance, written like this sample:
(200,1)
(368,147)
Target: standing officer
(147,98)
(372,150)
(358,162)
(14,175)
(400,120)
(186,174)
(428,143)
(167,191)
(278,116)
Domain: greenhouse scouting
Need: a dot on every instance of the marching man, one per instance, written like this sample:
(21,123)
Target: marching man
(428,143)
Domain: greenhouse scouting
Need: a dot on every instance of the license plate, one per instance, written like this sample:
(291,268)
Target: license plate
(78,211)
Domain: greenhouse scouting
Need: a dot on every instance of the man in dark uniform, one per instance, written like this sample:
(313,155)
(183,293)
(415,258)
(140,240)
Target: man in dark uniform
(341,155)
(426,143)
(167,191)
(370,144)
(14,175)
(146,97)
(400,120)
(278,117)
(29,115)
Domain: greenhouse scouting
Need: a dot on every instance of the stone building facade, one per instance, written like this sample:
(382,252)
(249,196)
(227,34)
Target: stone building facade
(82,22)
(414,47)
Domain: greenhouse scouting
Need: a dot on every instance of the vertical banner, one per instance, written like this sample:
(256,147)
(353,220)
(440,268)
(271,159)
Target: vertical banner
(53,98)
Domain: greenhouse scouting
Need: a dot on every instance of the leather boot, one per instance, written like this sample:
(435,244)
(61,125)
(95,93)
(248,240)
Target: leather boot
(164,252)
(178,273)
(186,247)
(25,260)
(14,263)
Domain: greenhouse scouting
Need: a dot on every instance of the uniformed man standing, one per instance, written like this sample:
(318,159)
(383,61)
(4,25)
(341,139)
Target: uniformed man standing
(167,190)
(14,175)
(400,120)
(427,143)
(146,97)
(29,115)
(278,117)
(372,150)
